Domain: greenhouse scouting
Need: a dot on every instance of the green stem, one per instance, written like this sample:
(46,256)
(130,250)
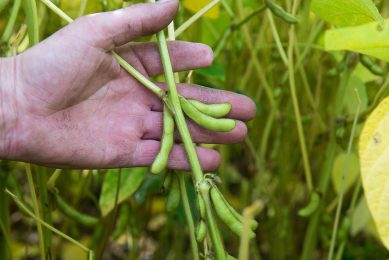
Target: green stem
(276,37)
(45,205)
(344,176)
(36,211)
(195,17)
(32,21)
(23,207)
(300,130)
(11,21)
(5,248)
(179,115)
(189,217)
(217,242)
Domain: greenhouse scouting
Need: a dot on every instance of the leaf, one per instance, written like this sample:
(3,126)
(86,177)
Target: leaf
(374,155)
(130,181)
(196,5)
(338,168)
(360,218)
(347,12)
(215,71)
(367,39)
(351,103)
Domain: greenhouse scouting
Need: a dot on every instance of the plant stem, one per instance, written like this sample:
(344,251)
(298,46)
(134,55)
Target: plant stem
(195,17)
(45,205)
(276,37)
(36,211)
(23,207)
(11,21)
(188,215)
(248,215)
(5,246)
(300,130)
(32,21)
(217,242)
(344,176)
(179,115)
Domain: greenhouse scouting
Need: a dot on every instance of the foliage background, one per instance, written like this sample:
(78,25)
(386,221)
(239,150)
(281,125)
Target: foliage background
(267,166)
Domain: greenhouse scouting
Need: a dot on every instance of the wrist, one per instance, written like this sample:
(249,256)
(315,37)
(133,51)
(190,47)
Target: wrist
(8,108)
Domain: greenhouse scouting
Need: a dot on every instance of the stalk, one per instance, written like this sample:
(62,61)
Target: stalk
(32,21)
(5,246)
(189,217)
(24,208)
(217,242)
(300,130)
(11,21)
(195,17)
(45,206)
(344,176)
(276,37)
(181,179)
(36,211)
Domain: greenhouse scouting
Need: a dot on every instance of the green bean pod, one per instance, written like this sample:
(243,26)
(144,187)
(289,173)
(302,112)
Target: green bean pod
(253,223)
(281,13)
(205,121)
(226,215)
(73,214)
(200,206)
(167,142)
(230,257)
(201,231)
(173,199)
(371,65)
(167,182)
(311,207)
(213,110)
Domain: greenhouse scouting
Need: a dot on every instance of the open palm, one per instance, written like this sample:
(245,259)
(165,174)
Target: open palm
(77,108)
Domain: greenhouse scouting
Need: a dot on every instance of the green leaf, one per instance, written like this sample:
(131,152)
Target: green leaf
(347,12)
(338,168)
(351,102)
(374,154)
(367,39)
(360,218)
(216,71)
(130,181)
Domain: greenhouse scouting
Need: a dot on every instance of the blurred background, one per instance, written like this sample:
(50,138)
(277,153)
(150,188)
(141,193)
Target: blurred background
(269,166)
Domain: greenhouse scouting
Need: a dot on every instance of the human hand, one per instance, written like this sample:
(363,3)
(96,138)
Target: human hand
(73,106)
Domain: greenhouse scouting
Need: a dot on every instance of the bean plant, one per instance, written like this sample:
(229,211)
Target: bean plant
(272,196)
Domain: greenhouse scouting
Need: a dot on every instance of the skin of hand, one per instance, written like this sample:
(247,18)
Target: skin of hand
(67,103)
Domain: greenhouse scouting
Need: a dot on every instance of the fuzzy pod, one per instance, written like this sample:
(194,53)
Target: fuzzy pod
(281,13)
(213,110)
(200,204)
(73,214)
(167,142)
(205,121)
(371,65)
(311,207)
(201,231)
(225,214)
(253,223)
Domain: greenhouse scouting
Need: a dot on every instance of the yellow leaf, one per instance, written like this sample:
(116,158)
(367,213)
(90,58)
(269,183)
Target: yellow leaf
(367,39)
(196,5)
(374,157)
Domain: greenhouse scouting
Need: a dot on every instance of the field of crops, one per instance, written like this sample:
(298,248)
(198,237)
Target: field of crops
(307,182)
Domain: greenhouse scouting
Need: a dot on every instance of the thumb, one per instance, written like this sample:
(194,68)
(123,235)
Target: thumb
(112,29)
